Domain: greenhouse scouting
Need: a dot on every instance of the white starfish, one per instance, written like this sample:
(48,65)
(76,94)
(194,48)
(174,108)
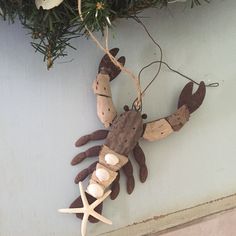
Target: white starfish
(88,210)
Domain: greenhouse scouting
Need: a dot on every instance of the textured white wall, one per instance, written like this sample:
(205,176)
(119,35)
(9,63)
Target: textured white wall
(42,113)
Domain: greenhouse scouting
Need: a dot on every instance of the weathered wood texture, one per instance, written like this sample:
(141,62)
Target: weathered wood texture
(105,108)
(125,132)
(157,130)
(179,118)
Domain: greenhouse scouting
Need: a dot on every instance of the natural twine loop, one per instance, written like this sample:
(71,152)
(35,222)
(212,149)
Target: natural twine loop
(114,60)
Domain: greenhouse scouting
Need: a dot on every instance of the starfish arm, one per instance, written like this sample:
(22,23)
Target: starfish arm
(83,196)
(84,224)
(101,218)
(99,200)
(72,210)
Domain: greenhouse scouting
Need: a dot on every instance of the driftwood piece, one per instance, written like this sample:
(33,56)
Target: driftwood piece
(101,85)
(141,160)
(105,108)
(179,118)
(125,132)
(96,135)
(115,187)
(91,152)
(128,171)
(157,130)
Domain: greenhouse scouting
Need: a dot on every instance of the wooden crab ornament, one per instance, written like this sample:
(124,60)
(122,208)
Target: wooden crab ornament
(122,137)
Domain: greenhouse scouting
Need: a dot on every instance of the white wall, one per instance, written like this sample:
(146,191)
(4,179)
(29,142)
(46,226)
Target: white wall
(42,113)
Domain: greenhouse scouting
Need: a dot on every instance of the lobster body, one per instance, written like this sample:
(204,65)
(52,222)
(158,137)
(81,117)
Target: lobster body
(125,132)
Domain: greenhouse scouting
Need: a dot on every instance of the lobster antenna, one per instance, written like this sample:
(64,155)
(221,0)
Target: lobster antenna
(160,62)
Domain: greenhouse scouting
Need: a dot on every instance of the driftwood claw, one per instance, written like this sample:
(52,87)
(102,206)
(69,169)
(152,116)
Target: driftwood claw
(192,100)
(107,66)
(188,103)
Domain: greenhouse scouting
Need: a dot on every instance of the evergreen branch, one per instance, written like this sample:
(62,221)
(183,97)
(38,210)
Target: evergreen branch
(52,30)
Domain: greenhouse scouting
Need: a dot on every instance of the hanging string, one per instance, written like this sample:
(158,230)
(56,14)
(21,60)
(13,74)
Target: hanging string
(211,85)
(114,60)
(160,62)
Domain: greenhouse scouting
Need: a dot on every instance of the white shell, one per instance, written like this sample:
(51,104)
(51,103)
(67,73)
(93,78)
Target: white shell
(95,190)
(47,4)
(111,159)
(102,174)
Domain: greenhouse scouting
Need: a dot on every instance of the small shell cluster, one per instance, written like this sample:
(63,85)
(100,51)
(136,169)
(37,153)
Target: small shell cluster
(103,175)
(111,159)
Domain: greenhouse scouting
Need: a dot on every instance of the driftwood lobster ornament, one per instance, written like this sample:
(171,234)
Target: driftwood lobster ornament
(121,139)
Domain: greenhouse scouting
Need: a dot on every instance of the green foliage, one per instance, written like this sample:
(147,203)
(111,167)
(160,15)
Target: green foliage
(96,14)
(198,2)
(9,9)
(52,30)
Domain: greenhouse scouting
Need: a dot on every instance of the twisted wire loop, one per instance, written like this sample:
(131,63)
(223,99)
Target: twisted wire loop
(160,62)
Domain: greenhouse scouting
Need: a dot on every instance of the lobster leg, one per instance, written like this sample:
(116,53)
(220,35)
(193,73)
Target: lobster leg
(140,158)
(128,171)
(85,173)
(91,152)
(97,135)
(115,188)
